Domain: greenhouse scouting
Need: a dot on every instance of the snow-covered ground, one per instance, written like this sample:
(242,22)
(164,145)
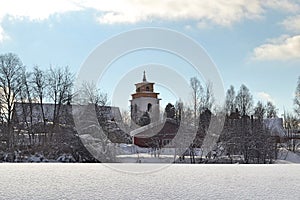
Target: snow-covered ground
(287,157)
(137,181)
(145,158)
(135,154)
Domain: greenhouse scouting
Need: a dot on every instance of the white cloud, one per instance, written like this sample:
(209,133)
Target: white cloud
(265,97)
(282,48)
(283,5)
(204,13)
(220,12)
(35,9)
(292,24)
(3,35)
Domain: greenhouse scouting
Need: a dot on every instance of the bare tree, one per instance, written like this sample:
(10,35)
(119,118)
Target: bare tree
(39,86)
(126,118)
(230,101)
(207,97)
(259,110)
(25,98)
(244,100)
(297,98)
(88,93)
(178,110)
(291,124)
(197,90)
(187,115)
(271,110)
(60,82)
(11,69)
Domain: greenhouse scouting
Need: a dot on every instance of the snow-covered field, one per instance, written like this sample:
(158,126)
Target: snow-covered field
(166,155)
(138,181)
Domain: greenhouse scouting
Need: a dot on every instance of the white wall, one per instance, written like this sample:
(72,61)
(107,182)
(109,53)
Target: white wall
(142,105)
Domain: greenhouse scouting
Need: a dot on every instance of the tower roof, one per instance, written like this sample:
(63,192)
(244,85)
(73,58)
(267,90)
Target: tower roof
(144,89)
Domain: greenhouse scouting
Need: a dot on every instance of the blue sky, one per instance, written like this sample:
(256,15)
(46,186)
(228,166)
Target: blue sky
(256,43)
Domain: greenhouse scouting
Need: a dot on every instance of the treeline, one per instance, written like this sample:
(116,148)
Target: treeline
(244,132)
(202,99)
(37,86)
(35,109)
(240,101)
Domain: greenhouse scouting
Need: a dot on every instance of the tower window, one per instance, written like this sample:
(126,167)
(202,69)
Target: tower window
(147,88)
(149,107)
(135,108)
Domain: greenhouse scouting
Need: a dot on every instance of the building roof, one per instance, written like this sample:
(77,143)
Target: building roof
(109,118)
(275,125)
(169,126)
(22,112)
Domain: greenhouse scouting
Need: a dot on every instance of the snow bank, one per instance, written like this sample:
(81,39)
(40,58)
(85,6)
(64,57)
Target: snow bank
(287,157)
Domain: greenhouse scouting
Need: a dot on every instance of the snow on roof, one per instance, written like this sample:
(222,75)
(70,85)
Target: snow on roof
(275,125)
(22,112)
(160,127)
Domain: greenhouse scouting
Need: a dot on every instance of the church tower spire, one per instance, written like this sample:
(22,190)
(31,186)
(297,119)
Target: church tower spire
(144,77)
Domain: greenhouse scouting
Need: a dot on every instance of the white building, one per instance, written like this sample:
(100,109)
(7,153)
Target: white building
(144,100)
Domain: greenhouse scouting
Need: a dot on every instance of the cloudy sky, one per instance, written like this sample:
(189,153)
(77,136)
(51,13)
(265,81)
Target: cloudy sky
(252,42)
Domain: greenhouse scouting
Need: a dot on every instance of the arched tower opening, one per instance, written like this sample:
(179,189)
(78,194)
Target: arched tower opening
(149,107)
